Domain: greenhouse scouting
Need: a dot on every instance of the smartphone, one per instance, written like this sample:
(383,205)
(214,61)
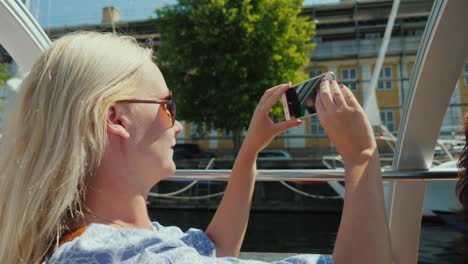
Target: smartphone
(299,100)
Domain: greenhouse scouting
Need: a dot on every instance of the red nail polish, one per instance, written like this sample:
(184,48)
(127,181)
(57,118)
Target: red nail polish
(298,122)
(324,79)
(331,81)
(341,86)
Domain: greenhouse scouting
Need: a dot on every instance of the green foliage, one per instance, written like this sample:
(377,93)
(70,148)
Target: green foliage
(3,77)
(219,56)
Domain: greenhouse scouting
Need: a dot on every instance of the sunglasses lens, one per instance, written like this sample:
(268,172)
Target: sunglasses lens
(173,111)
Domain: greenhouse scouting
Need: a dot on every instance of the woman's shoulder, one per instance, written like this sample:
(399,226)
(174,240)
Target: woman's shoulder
(105,244)
(101,243)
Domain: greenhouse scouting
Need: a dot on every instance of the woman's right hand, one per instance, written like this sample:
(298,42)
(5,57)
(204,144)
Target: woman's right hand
(345,122)
(262,129)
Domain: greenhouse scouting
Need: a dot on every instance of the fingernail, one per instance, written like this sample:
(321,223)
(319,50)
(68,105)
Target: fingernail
(341,86)
(324,79)
(298,122)
(331,81)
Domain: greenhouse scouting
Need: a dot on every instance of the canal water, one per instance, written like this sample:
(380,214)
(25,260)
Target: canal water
(307,232)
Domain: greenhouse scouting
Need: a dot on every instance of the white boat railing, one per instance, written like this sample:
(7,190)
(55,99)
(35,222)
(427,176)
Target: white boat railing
(317,175)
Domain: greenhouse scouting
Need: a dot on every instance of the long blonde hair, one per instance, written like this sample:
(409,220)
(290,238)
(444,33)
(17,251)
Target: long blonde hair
(55,138)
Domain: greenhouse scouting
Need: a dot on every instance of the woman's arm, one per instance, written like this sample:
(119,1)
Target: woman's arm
(363,235)
(227,228)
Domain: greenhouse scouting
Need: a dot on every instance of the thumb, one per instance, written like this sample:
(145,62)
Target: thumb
(285,125)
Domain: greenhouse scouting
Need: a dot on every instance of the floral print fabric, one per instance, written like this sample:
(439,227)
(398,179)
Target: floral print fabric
(102,244)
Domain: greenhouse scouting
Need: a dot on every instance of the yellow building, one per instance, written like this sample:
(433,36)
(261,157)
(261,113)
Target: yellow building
(349,36)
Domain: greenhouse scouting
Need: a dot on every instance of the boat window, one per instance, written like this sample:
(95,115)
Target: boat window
(349,36)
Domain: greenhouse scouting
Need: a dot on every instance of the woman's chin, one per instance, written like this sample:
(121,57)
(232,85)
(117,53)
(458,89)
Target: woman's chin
(173,168)
(164,174)
(170,169)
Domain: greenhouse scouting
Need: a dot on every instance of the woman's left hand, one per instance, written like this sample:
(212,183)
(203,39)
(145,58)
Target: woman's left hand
(227,229)
(262,129)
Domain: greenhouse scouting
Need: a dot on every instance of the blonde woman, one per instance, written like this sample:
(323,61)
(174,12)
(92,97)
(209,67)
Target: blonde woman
(93,130)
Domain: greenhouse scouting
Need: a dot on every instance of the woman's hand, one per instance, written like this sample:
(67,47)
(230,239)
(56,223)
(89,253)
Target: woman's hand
(227,229)
(345,122)
(262,129)
(363,236)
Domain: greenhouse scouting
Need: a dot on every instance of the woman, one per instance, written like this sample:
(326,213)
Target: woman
(93,131)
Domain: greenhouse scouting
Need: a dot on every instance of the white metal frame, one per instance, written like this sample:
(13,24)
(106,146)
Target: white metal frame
(20,34)
(443,50)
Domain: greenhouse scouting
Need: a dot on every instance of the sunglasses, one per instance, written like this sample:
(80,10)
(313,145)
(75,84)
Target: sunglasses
(168,104)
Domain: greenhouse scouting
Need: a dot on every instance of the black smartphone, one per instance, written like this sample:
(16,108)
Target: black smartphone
(299,100)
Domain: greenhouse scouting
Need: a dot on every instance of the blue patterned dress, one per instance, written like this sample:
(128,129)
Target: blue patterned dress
(103,244)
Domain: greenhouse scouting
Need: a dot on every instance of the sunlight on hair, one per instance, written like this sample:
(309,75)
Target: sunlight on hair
(55,136)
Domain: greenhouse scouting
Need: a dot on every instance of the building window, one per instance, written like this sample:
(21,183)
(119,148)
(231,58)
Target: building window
(414,32)
(316,128)
(227,133)
(388,120)
(373,35)
(316,40)
(465,73)
(385,79)
(196,130)
(410,69)
(349,78)
(314,73)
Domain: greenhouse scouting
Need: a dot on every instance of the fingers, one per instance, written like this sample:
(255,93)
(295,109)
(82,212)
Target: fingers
(270,91)
(325,94)
(285,125)
(319,105)
(337,94)
(349,96)
(271,101)
(333,96)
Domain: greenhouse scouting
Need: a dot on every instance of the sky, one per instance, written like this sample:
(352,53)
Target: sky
(60,13)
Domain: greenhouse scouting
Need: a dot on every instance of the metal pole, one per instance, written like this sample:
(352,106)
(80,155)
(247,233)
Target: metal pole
(370,102)
(319,175)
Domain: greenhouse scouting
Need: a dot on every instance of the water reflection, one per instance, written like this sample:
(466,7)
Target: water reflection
(437,245)
(307,232)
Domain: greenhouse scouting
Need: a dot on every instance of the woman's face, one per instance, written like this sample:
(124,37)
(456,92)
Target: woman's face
(152,136)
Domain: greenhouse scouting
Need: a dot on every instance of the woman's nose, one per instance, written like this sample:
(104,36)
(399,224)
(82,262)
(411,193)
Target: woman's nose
(177,127)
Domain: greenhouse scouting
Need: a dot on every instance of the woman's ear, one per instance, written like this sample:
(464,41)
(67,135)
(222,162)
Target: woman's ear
(115,123)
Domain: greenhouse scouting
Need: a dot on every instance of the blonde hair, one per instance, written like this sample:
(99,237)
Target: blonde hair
(55,138)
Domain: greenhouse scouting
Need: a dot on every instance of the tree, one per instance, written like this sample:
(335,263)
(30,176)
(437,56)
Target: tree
(219,56)
(3,79)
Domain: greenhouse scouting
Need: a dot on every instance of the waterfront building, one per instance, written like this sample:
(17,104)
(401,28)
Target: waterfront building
(349,36)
